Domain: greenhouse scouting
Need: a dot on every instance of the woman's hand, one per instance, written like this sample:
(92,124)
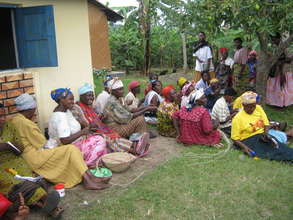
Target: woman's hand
(23,210)
(152,108)
(85,131)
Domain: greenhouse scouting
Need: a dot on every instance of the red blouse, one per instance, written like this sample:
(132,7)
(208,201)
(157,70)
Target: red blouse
(193,127)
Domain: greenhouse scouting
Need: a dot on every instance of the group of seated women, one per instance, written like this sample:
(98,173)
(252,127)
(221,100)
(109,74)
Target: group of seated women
(81,132)
(78,137)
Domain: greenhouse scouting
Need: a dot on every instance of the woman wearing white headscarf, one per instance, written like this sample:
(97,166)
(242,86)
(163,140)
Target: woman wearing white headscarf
(193,123)
(63,164)
(117,115)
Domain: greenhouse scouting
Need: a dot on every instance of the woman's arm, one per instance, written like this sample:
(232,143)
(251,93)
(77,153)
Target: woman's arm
(243,147)
(154,101)
(143,110)
(73,137)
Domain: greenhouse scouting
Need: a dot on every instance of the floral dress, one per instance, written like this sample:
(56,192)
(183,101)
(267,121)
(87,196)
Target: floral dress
(165,121)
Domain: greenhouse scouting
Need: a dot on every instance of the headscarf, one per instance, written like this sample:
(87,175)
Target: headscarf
(223,50)
(115,83)
(214,80)
(166,92)
(133,85)
(25,102)
(248,98)
(196,95)
(253,52)
(185,88)
(57,94)
(181,81)
(85,89)
(106,80)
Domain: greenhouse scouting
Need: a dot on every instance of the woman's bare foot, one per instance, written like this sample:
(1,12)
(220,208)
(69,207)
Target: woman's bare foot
(90,184)
(56,213)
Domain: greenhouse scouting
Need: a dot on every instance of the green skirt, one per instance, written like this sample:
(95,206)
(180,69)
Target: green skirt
(165,125)
(268,150)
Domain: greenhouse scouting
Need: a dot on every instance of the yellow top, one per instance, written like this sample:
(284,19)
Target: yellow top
(237,104)
(62,164)
(245,125)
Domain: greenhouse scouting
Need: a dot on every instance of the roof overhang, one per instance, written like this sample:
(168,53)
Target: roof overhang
(111,15)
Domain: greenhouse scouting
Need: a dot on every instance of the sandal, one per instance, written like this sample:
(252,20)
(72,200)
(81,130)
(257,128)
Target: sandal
(57,213)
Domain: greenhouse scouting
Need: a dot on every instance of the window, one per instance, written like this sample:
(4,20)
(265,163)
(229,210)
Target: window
(27,38)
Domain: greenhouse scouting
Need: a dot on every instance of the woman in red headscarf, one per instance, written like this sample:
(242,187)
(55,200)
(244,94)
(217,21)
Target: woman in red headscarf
(165,112)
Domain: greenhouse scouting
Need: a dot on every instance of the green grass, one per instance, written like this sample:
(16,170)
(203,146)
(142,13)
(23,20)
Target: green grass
(227,186)
(190,188)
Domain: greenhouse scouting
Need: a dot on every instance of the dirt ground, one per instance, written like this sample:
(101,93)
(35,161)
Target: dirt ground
(162,149)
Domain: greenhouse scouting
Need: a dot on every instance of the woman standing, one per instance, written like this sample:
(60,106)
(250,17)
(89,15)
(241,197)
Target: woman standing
(280,80)
(65,129)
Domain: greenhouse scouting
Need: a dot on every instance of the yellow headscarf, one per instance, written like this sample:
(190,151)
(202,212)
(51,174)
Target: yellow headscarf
(181,81)
(214,80)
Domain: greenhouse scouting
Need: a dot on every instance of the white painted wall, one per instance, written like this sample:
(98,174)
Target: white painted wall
(73,51)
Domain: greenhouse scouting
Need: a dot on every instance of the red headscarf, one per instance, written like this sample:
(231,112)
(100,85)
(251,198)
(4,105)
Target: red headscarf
(133,85)
(166,92)
(223,50)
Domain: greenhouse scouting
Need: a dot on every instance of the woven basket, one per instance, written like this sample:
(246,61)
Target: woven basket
(118,161)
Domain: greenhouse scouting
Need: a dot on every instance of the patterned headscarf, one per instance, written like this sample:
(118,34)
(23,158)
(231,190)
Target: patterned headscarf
(115,83)
(248,98)
(196,95)
(185,88)
(25,102)
(214,80)
(57,94)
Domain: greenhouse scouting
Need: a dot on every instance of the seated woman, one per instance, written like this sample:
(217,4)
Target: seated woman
(65,129)
(154,96)
(249,132)
(131,100)
(165,112)
(119,118)
(103,97)
(35,194)
(181,82)
(204,82)
(212,93)
(63,164)
(152,76)
(187,90)
(194,125)
(85,114)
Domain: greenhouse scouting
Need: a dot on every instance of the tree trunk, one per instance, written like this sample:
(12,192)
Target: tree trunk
(263,67)
(184,51)
(147,56)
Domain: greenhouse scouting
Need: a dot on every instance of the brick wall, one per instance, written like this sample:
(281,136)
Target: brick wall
(12,86)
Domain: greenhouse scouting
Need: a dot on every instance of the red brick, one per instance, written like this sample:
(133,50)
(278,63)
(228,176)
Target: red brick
(3,95)
(29,90)
(14,77)
(2,79)
(12,109)
(10,85)
(8,102)
(25,83)
(14,93)
(28,76)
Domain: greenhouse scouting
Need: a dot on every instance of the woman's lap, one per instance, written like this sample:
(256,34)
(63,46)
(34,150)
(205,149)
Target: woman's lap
(268,150)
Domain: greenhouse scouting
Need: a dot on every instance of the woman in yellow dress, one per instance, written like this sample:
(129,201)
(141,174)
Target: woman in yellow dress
(62,164)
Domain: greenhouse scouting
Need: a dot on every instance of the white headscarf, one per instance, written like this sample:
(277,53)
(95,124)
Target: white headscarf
(25,102)
(196,95)
(115,84)
(85,89)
